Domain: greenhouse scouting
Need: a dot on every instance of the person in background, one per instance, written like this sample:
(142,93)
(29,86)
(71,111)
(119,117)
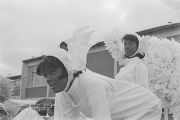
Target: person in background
(135,70)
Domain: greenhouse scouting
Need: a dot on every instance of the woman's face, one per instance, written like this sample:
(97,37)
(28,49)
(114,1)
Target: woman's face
(130,48)
(56,80)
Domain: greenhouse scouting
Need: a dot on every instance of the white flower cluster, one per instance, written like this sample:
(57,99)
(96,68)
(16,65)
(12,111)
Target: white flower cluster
(115,47)
(163,60)
(78,46)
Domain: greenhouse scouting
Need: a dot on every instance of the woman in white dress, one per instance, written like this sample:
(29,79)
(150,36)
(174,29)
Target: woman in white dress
(135,70)
(83,93)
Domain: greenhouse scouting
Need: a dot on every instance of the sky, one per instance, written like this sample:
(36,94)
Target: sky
(31,28)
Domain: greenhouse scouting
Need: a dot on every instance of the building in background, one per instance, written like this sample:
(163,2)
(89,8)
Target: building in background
(16,82)
(32,85)
(171,30)
(98,60)
(35,87)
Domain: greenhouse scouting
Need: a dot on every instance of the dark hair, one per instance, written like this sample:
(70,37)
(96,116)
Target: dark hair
(50,63)
(64,45)
(134,38)
(77,73)
(140,55)
(131,37)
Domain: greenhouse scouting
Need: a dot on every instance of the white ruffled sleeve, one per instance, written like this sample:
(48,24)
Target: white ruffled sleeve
(64,110)
(98,100)
(142,75)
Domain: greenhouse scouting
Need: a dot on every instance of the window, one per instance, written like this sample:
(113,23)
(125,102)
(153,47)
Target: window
(33,79)
(15,83)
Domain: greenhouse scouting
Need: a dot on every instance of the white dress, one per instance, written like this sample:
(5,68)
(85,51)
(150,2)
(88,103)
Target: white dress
(28,114)
(135,71)
(102,98)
